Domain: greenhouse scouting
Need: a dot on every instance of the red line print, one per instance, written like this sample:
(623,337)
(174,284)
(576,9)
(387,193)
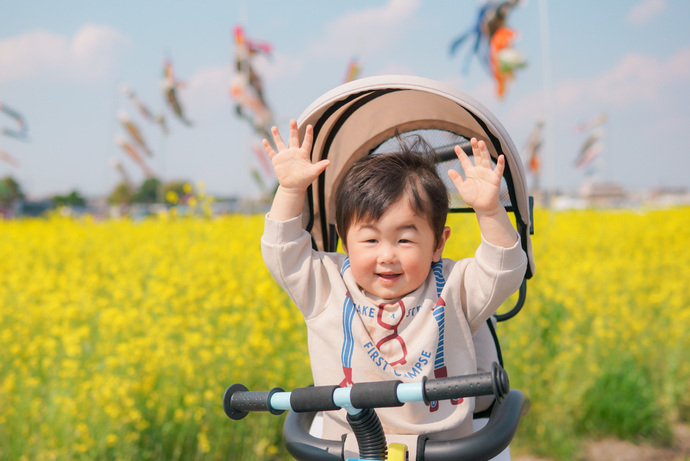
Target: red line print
(394,335)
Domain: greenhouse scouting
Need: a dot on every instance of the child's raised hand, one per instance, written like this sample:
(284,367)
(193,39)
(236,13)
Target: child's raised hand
(292,163)
(482,184)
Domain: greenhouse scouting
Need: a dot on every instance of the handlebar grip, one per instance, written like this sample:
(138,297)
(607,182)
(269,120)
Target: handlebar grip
(375,394)
(238,402)
(493,382)
(308,399)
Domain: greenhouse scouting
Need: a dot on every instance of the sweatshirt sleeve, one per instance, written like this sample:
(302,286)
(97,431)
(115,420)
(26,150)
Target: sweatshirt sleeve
(489,279)
(302,272)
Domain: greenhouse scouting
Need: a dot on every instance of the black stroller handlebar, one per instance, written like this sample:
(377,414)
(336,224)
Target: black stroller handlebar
(483,445)
(238,401)
(361,399)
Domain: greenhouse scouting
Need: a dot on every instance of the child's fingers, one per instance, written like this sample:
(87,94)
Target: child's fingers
(268,148)
(308,139)
(277,139)
(455,177)
(320,166)
(462,156)
(294,134)
(500,165)
(481,153)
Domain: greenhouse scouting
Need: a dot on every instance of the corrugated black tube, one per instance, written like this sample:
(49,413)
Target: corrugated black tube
(369,434)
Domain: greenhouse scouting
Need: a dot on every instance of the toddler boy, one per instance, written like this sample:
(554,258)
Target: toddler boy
(392,307)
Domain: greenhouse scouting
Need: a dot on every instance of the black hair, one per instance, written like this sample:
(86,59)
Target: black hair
(377,181)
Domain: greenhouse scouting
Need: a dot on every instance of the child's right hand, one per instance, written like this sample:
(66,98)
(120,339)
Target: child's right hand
(292,163)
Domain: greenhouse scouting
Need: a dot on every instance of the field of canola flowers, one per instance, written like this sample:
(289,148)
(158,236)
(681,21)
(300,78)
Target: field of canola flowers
(118,338)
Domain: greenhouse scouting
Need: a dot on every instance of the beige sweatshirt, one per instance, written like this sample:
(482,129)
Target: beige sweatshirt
(353,338)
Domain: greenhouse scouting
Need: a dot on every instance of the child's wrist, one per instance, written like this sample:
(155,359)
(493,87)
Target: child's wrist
(493,211)
(287,203)
(292,191)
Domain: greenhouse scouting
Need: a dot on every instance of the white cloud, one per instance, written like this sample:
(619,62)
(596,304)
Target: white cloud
(26,55)
(635,82)
(208,86)
(95,49)
(90,54)
(278,67)
(363,33)
(644,11)
(375,28)
(635,78)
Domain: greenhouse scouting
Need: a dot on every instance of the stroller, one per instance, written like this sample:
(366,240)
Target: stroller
(354,120)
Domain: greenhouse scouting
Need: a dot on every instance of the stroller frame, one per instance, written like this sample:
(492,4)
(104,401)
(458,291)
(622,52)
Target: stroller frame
(356,119)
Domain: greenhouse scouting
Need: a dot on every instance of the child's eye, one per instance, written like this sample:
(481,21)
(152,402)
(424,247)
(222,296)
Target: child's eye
(405,241)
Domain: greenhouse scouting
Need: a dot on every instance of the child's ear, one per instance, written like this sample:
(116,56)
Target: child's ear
(441,244)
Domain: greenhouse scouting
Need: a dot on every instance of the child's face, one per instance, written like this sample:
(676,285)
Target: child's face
(392,257)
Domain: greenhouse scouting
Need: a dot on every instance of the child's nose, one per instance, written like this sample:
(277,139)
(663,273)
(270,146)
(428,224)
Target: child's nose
(387,254)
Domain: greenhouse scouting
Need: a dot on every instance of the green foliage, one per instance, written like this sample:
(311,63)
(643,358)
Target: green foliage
(121,195)
(74,198)
(10,190)
(623,402)
(149,191)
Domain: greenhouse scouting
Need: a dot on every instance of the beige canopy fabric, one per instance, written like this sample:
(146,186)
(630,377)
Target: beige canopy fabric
(353,119)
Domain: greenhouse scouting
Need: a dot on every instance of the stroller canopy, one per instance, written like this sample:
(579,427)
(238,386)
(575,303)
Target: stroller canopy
(357,118)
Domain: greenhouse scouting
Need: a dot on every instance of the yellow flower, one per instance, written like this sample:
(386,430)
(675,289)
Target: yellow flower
(172,197)
(203,442)
(133,330)
(111,440)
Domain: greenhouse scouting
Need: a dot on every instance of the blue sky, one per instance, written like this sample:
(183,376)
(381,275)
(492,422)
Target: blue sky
(62,63)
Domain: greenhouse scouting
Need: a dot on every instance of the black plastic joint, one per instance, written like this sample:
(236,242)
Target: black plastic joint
(425,398)
(308,399)
(272,410)
(500,381)
(377,394)
(228,406)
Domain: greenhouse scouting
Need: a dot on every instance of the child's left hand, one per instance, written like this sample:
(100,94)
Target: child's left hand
(482,184)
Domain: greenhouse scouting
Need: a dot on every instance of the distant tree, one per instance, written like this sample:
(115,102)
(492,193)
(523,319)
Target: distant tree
(10,190)
(148,191)
(121,195)
(74,198)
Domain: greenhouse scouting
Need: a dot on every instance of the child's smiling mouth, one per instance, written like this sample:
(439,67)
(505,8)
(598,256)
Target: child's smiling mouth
(388,276)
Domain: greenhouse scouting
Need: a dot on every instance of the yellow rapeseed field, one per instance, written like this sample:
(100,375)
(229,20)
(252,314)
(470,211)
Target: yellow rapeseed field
(118,338)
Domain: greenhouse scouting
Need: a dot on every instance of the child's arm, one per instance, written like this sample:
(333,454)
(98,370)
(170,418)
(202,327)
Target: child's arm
(294,171)
(480,190)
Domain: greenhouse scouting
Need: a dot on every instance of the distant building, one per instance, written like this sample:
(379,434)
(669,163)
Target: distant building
(669,196)
(604,195)
(33,208)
